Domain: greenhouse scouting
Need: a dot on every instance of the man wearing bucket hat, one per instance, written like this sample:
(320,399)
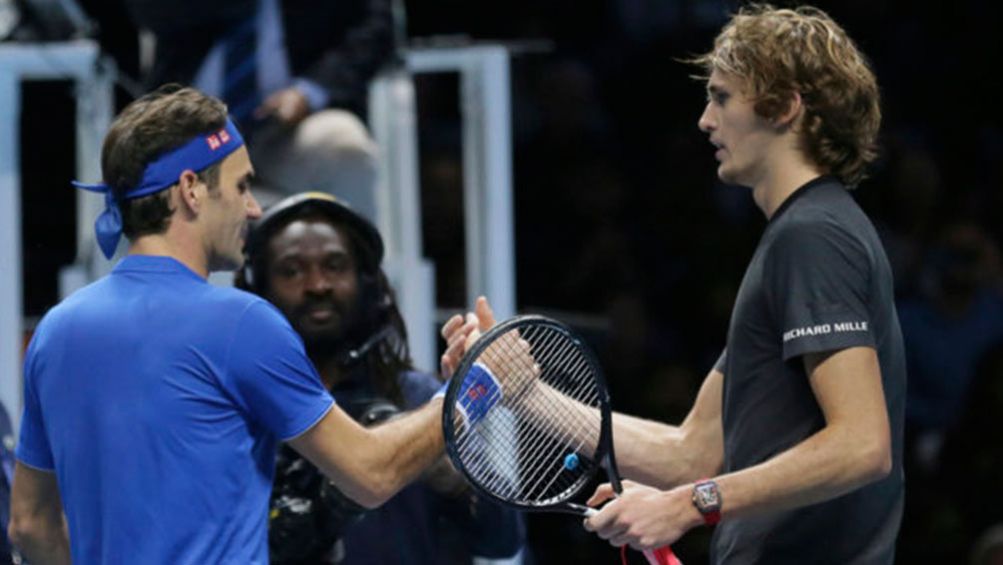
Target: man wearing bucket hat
(154,402)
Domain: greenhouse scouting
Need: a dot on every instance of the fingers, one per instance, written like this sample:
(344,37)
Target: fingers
(605,523)
(470,339)
(460,333)
(608,526)
(603,493)
(454,351)
(485,315)
(455,331)
(471,322)
(451,325)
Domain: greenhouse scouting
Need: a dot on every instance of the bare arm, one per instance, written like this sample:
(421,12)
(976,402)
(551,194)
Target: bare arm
(853,449)
(646,450)
(666,456)
(371,464)
(36,525)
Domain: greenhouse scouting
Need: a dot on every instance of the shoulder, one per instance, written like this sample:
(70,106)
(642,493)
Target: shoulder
(231,297)
(828,219)
(253,310)
(67,309)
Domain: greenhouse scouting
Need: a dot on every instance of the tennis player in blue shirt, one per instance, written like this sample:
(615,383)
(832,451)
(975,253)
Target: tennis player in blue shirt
(154,402)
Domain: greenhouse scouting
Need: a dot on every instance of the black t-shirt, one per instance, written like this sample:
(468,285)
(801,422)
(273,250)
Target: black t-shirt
(818,281)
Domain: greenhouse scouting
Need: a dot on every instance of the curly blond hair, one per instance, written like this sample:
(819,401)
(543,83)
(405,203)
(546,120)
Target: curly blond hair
(777,52)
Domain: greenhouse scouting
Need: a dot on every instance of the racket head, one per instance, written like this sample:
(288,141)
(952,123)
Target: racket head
(511,455)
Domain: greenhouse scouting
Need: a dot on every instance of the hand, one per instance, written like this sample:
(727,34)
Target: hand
(460,334)
(641,516)
(289,106)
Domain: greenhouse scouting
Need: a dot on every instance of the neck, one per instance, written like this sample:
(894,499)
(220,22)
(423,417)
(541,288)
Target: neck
(780,182)
(189,254)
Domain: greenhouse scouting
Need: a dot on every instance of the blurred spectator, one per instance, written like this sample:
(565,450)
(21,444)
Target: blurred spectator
(294,74)
(973,455)
(908,191)
(956,319)
(952,511)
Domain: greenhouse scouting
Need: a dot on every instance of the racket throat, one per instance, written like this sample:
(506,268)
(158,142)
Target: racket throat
(576,509)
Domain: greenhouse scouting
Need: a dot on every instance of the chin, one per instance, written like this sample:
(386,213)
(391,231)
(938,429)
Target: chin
(729,177)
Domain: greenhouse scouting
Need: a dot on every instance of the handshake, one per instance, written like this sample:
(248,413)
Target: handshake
(501,366)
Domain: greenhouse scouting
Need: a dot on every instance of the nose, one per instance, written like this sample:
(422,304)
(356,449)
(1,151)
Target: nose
(253,208)
(706,122)
(317,281)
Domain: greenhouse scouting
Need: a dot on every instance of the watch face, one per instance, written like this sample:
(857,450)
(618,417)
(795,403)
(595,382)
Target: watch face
(706,497)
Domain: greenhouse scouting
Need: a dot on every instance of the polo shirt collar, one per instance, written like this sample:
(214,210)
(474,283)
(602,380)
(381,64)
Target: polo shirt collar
(155,264)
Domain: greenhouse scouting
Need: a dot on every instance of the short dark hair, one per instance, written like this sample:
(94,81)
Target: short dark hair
(160,121)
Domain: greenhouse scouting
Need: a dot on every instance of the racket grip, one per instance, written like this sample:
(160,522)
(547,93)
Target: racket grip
(662,556)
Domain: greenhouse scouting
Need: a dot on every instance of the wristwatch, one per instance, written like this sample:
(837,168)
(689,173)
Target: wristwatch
(707,500)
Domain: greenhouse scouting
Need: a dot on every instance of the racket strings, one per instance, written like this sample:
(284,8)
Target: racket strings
(517,450)
(537,450)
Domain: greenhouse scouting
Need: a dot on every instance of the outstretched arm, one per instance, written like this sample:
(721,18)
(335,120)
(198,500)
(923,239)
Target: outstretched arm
(371,464)
(853,449)
(666,456)
(647,451)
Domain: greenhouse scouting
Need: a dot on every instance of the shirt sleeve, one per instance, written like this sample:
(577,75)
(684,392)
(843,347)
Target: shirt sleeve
(721,361)
(818,280)
(270,376)
(33,447)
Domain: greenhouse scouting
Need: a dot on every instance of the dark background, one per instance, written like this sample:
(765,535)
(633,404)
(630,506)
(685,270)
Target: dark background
(621,224)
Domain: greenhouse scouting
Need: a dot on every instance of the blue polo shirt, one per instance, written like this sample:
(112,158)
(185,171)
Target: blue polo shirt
(158,400)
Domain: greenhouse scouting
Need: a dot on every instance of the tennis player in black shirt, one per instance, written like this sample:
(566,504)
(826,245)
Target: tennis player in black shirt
(794,444)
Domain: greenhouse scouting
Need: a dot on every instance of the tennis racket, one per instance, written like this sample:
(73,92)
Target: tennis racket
(527,419)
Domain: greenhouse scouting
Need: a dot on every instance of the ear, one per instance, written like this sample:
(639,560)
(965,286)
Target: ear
(791,112)
(191,191)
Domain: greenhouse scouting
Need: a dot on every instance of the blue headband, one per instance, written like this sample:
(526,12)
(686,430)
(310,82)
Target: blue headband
(163,172)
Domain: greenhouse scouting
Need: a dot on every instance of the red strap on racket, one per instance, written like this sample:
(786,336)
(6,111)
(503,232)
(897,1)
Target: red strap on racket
(660,556)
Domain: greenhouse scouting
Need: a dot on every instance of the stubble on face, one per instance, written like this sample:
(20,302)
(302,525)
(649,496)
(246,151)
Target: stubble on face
(235,207)
(313,280)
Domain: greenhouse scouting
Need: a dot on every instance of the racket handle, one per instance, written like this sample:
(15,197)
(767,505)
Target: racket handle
(658,556)
(662,556)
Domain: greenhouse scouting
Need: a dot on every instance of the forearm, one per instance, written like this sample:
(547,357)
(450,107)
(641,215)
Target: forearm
(370,465)
(666,456)
(824,466)
(37,526)
(403,448)
(646,451)
(659,454)
(45,542)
